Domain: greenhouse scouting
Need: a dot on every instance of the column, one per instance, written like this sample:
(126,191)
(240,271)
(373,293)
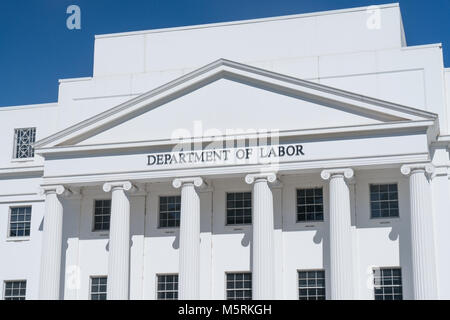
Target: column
(422,238)
(189,266)
(340,234)
(263,273)
(119,240)
(49,280)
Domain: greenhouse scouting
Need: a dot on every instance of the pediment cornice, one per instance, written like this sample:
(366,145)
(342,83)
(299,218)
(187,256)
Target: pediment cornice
(391,112)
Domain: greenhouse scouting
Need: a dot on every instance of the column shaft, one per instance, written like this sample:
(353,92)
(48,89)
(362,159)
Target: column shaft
(340,240)
(189,275)
(423,257)
(119,246)
(263,277)
(341,264)
(49,282)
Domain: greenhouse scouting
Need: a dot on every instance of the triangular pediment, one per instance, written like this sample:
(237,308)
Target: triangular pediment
(226,98)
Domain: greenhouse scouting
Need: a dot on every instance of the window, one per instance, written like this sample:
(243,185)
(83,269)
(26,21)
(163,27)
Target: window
(239,208)
(169,211)
(387,283)
(383,200)
(98,288)
(20,221)
(102,215)
(309,205)
(311,285)
(23,143)
(15,290)
(239,286)
(167,287)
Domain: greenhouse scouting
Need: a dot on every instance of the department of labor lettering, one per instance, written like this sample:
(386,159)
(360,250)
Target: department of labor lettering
(225,155)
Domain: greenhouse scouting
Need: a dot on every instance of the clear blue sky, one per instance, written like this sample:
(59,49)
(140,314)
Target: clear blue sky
(37,49)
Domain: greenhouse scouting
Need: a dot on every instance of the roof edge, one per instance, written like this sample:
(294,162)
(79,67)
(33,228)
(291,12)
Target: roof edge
(247,21)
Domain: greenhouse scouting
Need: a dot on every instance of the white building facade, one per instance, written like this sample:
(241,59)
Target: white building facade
(297,157)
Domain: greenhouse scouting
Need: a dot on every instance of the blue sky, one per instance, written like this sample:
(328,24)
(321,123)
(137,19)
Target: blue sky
(37,49)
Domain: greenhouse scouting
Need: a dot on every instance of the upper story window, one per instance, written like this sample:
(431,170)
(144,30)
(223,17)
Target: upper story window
(239,286)
(169,211)
(24,139)
(311,285)
(102,215)
(15,290)
(239,208)
(19,221)
(387,283)
(167,287)
(384,200)
(99,288)
(309,204)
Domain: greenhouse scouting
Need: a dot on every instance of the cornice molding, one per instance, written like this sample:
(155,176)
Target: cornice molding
(304,133)
(21,170)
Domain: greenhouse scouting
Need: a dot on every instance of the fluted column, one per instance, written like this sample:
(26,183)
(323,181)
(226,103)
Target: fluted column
(50,274)
(119,240)
(340,234)
(189,267)
(263,273)
(422,232)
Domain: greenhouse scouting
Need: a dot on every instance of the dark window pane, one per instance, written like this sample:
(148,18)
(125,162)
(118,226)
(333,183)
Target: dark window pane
(239,286)
(167,287)
(387,284)
(102,214)
(384,200)
(169,211)
(311,285)
(309,201)
(239,208)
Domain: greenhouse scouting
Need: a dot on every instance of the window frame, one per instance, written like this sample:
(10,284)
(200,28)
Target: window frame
(157,283)
(306,187)
(226,209)
(15,158)
(386,268)
(91,277)
(93,216)
(312,270)
(370,201)
(226,288)
(15,280)
(158,217)
(18,238)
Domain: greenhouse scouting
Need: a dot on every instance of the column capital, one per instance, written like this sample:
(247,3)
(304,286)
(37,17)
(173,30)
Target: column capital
(196,181)
(347,173)
(125,185)
(59,190)
(268,176)
(426,168)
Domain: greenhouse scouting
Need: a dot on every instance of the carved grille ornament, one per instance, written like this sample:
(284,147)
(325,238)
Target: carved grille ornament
(24,139)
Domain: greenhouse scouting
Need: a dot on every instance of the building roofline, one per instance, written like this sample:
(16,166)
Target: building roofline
(64,80)
(29,106)
(238,22)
